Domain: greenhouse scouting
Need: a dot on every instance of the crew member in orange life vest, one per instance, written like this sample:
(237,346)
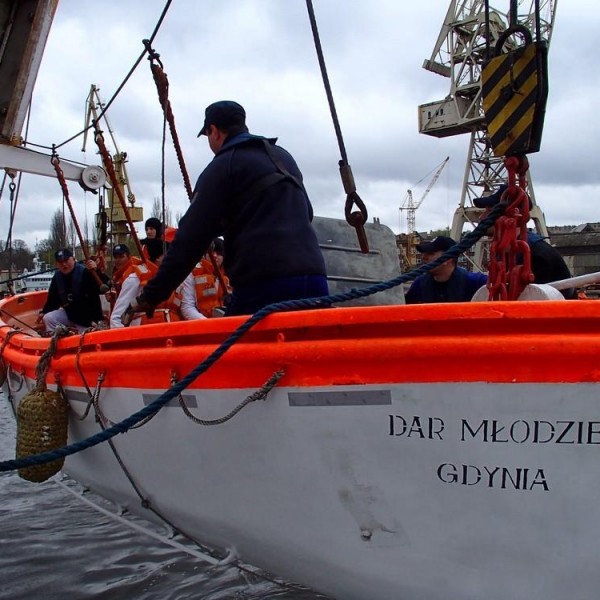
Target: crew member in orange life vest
(122,262)
(202,292)
(134,278)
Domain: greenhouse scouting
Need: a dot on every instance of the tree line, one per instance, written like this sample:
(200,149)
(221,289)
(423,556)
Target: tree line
(15,255)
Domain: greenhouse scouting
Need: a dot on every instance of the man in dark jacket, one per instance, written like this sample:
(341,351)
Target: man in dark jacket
(252,195)
(547,263)
(445,283)
(74,296)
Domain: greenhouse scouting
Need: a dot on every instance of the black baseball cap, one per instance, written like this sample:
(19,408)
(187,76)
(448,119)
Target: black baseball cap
(62,254)
(120,249)
(224,114)
(439,244)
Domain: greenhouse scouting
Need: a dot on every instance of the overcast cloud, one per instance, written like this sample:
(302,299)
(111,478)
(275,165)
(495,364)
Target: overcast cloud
(261,53)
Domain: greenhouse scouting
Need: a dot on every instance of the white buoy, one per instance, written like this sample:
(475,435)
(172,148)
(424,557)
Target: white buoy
(533,292)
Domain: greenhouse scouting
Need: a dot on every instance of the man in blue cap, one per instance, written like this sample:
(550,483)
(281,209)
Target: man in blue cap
(74,296)
(547,264)
(445,283)
(252,195)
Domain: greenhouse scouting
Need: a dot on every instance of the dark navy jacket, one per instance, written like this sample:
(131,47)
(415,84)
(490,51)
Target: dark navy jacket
(459,288)
(548,264)
(267,232)
(78,293)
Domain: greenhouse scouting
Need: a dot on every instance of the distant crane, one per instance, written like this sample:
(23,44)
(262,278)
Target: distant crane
(459,54)
(410,207)
(409,254)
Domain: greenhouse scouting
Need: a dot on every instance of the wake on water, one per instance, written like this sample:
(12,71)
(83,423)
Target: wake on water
(54,547)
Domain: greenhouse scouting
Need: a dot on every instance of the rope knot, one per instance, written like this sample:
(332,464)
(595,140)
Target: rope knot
(152,54)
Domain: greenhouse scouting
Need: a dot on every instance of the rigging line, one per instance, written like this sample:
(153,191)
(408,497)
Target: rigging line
(15,318)
(358,218)
(163,175)
(14,210)
(429,173)
(3,184)
(15,196)
(127,77)
(27,145)
(336,123)
(27,123)
(11,220)
(32,274)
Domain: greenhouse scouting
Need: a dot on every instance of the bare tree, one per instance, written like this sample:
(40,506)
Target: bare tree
(58,231)
(157,212)
(72,237)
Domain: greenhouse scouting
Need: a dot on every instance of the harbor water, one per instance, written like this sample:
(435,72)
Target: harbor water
(53,547)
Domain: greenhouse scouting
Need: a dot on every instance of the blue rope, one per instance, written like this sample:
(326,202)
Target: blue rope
(289,305)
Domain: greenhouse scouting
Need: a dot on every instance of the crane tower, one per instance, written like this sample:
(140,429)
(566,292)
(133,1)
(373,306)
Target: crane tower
(459,54)
(115,216)
(408,249)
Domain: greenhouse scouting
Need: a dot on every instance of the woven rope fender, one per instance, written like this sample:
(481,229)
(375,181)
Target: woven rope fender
(42,423)
(42,420)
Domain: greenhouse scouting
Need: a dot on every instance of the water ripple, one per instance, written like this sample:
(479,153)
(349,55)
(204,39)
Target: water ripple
(53,547)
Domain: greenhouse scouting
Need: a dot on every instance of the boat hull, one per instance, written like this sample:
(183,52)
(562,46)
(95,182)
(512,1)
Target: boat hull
(447,453)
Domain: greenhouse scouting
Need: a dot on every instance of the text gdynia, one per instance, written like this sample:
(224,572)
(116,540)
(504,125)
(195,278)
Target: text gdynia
(494,477)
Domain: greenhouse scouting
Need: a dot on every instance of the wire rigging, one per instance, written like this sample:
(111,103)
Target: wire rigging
(123,83)
(356,218)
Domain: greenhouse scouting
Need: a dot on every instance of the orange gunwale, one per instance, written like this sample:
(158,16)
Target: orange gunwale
(499,342)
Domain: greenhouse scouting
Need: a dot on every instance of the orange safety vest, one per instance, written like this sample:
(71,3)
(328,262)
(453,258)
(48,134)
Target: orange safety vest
(209,292)
(166,311)
(119,276)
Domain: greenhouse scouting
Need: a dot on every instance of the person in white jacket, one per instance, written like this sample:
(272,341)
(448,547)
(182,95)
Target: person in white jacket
(132,287)
(201,292)
(188,309)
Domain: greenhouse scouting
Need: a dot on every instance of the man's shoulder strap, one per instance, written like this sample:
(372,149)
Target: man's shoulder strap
(279,164)
(272,178)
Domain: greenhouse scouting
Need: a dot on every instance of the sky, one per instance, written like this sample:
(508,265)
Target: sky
(261,53)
